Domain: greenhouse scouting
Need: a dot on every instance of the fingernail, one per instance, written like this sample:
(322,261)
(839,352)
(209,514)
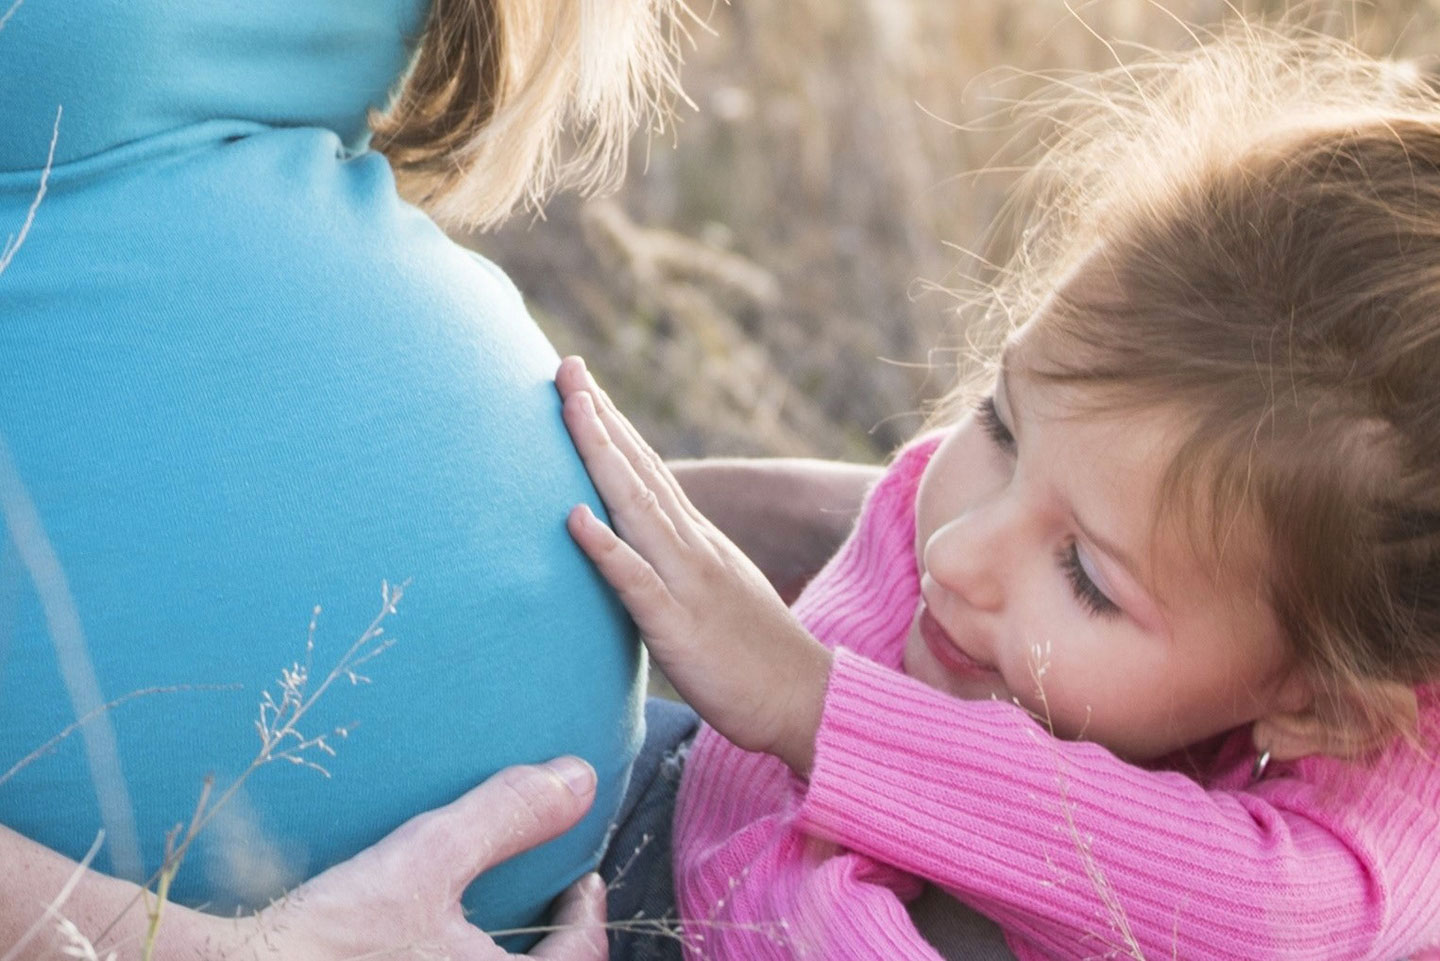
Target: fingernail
(577,775)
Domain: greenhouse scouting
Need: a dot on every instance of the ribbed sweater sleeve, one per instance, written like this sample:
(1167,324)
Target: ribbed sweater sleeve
(1074,852)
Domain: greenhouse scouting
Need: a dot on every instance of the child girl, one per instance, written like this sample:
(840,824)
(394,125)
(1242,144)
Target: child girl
(1138,655)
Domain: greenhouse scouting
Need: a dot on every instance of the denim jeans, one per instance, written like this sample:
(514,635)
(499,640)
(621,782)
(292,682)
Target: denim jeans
(641,880)
(636,867)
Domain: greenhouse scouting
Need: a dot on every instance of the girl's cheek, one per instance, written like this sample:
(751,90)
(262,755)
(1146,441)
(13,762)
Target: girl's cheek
(1039,658)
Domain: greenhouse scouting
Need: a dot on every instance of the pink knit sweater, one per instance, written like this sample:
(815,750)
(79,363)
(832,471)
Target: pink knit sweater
(1075,853)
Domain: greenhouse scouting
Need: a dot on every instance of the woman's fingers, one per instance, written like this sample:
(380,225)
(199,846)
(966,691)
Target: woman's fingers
(401,896)
(517,809)
(580,918)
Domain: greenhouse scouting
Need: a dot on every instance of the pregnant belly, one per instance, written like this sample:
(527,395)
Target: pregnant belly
(276,390)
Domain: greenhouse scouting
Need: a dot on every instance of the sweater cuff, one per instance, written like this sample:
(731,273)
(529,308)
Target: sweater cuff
(962,793)
(881,733)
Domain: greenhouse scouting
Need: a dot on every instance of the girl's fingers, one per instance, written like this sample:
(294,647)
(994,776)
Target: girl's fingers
(640,514)
(649,464)
(641,590)
(575,378)
(571,376)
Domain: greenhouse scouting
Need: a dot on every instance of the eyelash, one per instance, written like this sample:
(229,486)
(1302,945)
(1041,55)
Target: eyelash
(991,424)
(1084,588)
(1068,555)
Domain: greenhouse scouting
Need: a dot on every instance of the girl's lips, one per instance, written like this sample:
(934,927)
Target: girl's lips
(944,649)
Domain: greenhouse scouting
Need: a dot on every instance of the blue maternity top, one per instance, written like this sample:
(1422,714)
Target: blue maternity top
(241,378)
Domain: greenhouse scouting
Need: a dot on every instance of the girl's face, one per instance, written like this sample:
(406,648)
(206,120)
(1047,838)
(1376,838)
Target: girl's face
(1041,583)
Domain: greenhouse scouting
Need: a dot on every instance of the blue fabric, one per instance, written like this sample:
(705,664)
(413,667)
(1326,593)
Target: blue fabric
(129,69)
(242,378)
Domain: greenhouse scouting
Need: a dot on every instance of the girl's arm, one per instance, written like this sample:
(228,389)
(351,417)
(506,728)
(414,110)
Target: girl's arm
(1082,854)
(399,898)
(788,514)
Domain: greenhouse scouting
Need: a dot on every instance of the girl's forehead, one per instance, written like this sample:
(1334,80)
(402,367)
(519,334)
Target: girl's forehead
(1114,460)
(1029,349)
(1013,349)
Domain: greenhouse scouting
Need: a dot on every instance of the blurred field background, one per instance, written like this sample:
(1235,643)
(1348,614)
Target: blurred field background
(765,281)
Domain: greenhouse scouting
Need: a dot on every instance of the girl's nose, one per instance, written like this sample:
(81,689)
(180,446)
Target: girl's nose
(968,556)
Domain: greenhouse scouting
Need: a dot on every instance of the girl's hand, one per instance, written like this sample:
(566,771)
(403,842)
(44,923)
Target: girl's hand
(711,620)
(400,898)
(788,514)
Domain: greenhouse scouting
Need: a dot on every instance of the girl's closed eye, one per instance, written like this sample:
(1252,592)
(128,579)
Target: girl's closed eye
(990,422)
(1076,569)
(1082,583)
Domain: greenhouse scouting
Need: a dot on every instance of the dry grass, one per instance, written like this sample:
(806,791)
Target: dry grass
(764,285)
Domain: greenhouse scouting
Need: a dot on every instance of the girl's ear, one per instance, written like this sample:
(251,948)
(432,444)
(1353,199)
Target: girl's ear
(1374,710)
(1291,735)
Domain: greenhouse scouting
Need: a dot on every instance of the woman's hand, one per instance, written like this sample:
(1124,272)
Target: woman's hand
(717,628)
(399,899)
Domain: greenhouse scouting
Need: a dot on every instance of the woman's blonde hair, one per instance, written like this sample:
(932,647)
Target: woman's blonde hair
(1248,236)
(508,100)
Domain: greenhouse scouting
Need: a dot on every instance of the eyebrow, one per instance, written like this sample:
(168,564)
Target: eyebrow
(1006,350)
(1002,389)
(1114,550)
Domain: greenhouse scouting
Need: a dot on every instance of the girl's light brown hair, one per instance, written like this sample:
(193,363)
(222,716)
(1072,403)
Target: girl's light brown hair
(1248,236)
(509,100)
